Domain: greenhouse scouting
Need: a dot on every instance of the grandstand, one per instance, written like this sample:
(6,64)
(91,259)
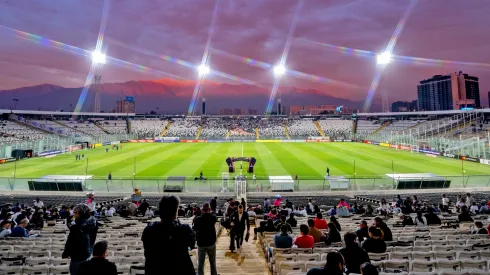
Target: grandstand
(183,128)
(148,128)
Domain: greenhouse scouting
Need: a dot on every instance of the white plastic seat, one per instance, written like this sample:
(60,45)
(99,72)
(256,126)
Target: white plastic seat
(423,266)
(37,254)
(449,272)
(289,266)
(445,255)
(442,243)
(322,250)
(401,256)
(478,272)
(442,248)
(6,248)
(379,256)
(313,264)
(132,260)
(462,247)
(453,265)
(10,270)
(403,248)
(59,270)
(56,254)
(485,254)
(470,265)
(279,258)
(308,257)
(395,266)
(116,260)
(59,261)
(124,253)
(422,273)
(137,270)
(301,250)
(471,255)
(422,243)
(38,261)
(427,256)
(422,248)
(36,270)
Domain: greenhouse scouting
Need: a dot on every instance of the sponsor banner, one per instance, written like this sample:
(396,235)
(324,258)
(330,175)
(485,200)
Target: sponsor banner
(287,140)
(384,144)
(133,140)
(115,142)
(299,140)
(159,140)
(427,151)
(374,142)
(338,140)
(317,138)
(268,140)
(97,145)
(470,159)
(124,141)
(366,141)
(245,140)
(393,146)
(51,152)
(430,155)
(145,141)
(50,156)
(404,147)
(5,160)
(106,143)
(347,140)
(451,156)
(485,161)
(170,138)
(202,141)
(188,140)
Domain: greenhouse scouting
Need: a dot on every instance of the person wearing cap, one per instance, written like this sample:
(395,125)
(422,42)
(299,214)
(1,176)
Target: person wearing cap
(81,239)
(204,226)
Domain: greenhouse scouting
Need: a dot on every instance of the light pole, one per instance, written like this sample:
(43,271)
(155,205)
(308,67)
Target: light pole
(15,103)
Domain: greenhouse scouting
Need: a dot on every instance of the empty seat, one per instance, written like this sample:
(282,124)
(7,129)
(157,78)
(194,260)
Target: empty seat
(308,257)
(137,270)
(10,270)
(395,266)
(445,255)
(60,270)
(454,265)
(378,256)
(403,248)
(132,260)
(470,265)
(428,256)
(37,261)
(401,256)
(423,266)
(36,270)
(289,266)
(59,261)
(472,255)
(301,250)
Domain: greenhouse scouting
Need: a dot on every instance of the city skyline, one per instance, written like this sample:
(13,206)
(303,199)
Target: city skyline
(257,30)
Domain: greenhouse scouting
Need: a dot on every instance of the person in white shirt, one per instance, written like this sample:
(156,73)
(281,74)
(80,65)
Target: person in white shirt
(302,211)
(420,220)
(5,229)
(445,201)
(474,208)
(460,203)
(109,212)
(16,214)
(251,212)
(469,200)
(38,203)
(149,213)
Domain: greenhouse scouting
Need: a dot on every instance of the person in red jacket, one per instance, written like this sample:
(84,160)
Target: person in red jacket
(320,223)
(305,240)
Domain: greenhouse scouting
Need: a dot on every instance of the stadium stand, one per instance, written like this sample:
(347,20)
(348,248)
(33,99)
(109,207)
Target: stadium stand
(242,127)
(58,127)
(148,128)
(114,126)
(271,128)
(336,128)
(213,128)
(367,127)
(13,132)
(183,128)
(302,128)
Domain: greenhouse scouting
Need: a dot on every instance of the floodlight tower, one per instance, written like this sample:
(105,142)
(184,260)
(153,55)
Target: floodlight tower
(98,60)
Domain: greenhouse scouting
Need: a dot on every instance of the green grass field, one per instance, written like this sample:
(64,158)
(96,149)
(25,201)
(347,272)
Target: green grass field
(307,160)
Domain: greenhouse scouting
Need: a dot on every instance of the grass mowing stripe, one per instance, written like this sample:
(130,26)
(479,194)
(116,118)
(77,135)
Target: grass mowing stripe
(271,165)
(188,166)
(215,162)
(291,162)
(168,158)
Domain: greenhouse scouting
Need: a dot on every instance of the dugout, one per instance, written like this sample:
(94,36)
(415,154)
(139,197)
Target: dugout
(84,144)
(174,184)
(20,153)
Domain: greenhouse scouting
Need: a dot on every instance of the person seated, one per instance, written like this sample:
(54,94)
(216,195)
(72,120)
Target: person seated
(479,229)
(251,212)
(269,227)
(464,216)
(474,208)
(334,221)
(406,220)
(362,231)
(284,211)
(283,222)
(181,212)
(432,218)
(258,210)
(283,240)
(320,223)
(354,256)
(5,228)
(334,265)
(343,203)
(375,243)
(420,220)
(20,230)
(386,234)
(305,240)
(333,235)
(314,232)
(369,269)
(292,221)
(149,212)
(98,264)
(316,209)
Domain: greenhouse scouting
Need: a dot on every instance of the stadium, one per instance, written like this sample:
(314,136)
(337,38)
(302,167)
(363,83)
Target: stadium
(326,179)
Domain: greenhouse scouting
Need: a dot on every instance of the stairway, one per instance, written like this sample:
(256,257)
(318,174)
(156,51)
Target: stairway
(199,132)
(250,260)
(100,127)
(381,127)
(227,134)
(76,129)
(166,128)
(286,130)
(319,128)
(257,135)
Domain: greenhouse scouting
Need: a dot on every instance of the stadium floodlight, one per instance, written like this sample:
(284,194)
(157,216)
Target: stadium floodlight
(98,57)
(279,70)
(384,58)
(203,69)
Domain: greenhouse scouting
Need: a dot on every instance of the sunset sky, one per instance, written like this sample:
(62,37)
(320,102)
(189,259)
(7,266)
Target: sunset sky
(455,30)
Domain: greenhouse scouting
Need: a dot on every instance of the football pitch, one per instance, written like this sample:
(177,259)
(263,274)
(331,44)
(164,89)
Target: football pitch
(307,160)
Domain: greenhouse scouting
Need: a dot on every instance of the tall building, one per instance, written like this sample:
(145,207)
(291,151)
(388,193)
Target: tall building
(239,112)
(126,105)
(254,112)
(453,91)
(203,109)
(404,106)
(226,111)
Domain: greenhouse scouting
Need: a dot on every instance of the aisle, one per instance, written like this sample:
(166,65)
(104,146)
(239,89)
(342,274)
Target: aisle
(250,261)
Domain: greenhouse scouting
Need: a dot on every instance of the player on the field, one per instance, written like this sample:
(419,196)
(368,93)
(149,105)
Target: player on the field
(83,156)
(107,149)
(328,172)
(77,156)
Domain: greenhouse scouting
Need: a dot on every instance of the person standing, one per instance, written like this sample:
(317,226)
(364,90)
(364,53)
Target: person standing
(239,221)
(109,177)
(267,205)
(98,264)
(204,226)
(81,239)
(167,243)
(328,172)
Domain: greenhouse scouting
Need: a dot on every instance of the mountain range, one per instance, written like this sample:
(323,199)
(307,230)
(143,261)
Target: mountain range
(165,96)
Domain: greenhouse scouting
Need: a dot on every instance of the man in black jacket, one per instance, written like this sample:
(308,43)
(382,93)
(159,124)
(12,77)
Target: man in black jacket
(204,226)
(167,242)
(98,264)
(143,207)
(81,239)
(213,203)
(239,221)
(431,217)
(375,243)
(354,256)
